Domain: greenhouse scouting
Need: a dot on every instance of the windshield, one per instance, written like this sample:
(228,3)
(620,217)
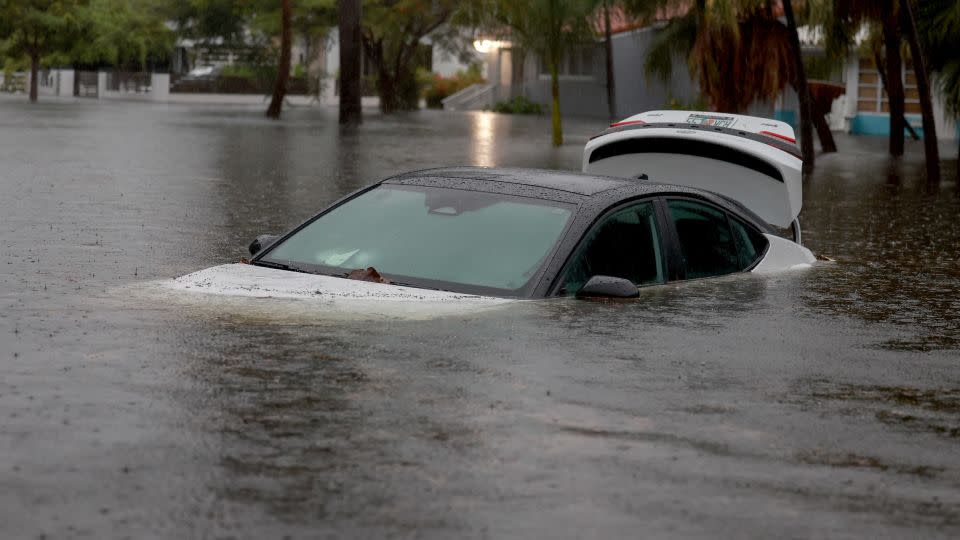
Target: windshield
(466,241)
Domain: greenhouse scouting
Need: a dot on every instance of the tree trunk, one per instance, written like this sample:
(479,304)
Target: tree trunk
(387,88)
(803,90)
(823,132)
(351,111)
(34,76)
(608,45)
(878,60)
(926,102)
(555,106)
(283,71)
(891,44)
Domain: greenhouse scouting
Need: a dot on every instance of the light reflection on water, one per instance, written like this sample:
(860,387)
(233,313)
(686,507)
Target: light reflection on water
(482,139)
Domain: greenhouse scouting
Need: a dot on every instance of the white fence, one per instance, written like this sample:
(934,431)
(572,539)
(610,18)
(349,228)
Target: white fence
(102,84)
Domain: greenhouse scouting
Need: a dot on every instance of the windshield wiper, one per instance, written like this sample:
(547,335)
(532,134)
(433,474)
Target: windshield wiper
(280,266)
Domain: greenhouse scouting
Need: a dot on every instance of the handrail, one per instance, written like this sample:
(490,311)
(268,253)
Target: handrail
(468,98)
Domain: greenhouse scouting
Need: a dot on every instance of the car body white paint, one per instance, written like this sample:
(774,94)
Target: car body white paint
(782,254)
(301,296)
(241,279)
(777,203)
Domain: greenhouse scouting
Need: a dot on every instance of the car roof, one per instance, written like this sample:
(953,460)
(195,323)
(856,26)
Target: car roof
(569,182)
(573,187)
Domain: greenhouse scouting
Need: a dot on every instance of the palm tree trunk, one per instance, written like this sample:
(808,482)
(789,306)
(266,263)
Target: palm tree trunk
(283,71)
(555,108)
(926,102)
(803,90)
(34,76)
(608,45)
(878,60)
(351,111)
(891,43)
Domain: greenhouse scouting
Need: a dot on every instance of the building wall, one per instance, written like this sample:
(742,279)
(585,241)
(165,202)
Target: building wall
(635,92)
(861,79)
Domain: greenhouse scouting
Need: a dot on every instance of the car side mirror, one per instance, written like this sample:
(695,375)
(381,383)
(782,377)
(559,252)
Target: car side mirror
(608,287)
(261,242)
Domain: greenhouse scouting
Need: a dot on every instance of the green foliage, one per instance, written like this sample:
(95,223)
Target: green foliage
(675,41)
(518,105)
(821,67)
(698,103)
(122,33)
(243,71)
(36,28)
(939,28)
(211,20)
(437,87)
(392,33)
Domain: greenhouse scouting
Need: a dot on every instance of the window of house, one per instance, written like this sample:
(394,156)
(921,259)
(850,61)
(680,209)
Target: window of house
(707,246)
(624,244)
(871,96)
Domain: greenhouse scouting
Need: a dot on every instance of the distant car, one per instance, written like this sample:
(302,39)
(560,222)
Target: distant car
(201,73)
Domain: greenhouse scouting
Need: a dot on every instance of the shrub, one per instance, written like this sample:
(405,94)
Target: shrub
(437,87)
(244,71)
(518,105)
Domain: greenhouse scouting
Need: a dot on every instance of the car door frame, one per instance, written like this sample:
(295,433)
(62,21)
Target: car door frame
(677,255)
(668,249)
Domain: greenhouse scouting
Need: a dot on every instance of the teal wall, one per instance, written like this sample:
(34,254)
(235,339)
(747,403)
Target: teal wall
(879,124)
(788,116)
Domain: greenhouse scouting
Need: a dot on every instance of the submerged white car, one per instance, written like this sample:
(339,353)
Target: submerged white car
(517,233)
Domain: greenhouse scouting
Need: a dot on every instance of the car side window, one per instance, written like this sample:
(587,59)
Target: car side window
(750,243)
(706,243)
(624,244)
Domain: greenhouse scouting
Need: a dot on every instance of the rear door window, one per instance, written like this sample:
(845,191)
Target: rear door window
(751,244)
(623,244)
(706,243)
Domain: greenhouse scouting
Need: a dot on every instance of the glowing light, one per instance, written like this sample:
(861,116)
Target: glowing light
(483,46)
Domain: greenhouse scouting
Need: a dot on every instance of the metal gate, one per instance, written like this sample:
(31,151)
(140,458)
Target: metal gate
(85,84)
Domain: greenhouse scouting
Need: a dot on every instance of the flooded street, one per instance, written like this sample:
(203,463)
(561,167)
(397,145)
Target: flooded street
(820,403)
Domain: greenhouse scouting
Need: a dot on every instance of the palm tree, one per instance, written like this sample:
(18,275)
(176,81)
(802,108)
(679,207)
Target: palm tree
(931,151)
(848,16)
(351,48)
(737,51)
(939,21)
(803,91)
(283,71)
(551,29)
(608,57)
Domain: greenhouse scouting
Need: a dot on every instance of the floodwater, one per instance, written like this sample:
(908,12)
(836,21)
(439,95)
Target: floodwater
(823,403)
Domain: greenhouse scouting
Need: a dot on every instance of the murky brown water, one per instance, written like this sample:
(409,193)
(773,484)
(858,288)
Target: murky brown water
(823,403)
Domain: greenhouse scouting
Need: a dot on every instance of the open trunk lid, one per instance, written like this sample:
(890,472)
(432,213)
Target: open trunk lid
(752,160)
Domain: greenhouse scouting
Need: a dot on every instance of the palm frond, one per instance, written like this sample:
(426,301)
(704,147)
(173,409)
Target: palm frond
(674,41)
